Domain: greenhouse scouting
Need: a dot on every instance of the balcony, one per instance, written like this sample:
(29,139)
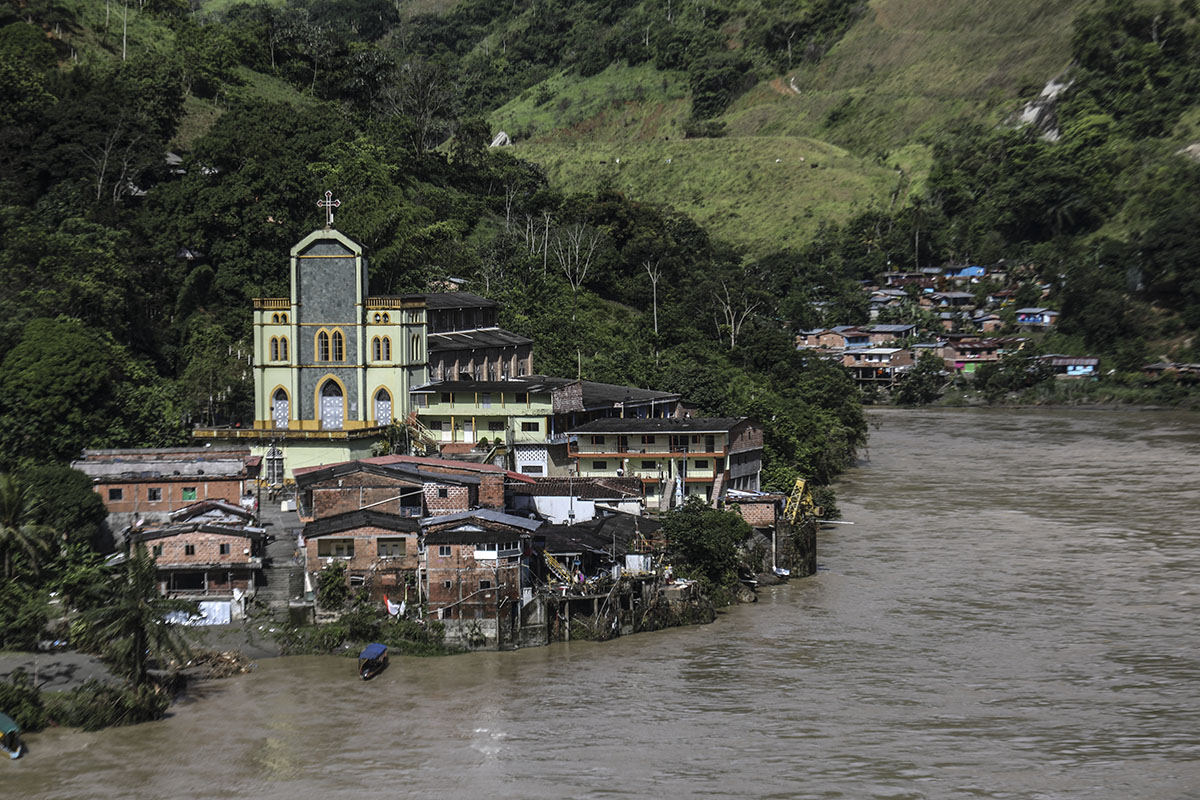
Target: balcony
(272,303)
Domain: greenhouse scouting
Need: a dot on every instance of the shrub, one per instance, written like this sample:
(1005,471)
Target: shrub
(22,701)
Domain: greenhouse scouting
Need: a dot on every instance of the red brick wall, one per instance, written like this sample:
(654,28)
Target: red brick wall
(458,498)
(135,494)
(491,486)
(358,491)
(745,436)
(758,514)
(464,573)
(207,547)
(366,550)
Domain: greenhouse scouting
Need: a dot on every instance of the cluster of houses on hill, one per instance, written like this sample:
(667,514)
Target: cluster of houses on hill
(970,327)
(510,498)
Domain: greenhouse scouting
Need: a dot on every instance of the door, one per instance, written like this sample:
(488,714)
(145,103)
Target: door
(332,406)
(280,409)
(383,407)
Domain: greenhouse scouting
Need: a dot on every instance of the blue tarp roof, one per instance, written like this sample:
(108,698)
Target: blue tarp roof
(373,650)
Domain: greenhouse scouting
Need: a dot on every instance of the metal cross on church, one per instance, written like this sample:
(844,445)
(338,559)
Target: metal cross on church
(329,204)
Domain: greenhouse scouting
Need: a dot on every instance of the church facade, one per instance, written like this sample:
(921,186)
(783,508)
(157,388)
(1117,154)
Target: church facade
(334,366)
(330,357)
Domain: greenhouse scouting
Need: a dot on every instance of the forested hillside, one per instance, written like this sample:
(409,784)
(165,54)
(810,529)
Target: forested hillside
(732,170)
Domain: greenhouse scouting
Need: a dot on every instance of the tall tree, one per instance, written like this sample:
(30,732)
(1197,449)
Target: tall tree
(19,533)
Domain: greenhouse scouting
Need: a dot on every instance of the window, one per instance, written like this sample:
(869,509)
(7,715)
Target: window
(377,317)
(376,349)
(189,549)
(485,399)
(420,400)
(493,425)
(275,318)
(521,397)
(443,492)
(335,548)
(444,552)
(283,318)
(116,494)
(386,318)
(649,464)
(532,469)
(322,346)
(468,426)
(531,426)
(156,550)
(339,346)
(485,584)
(597,440)
(416,347)
(599,465)
(224,549)
(283,348)
(274,349)
(387,348)
(435,424)
(647,440)
(520,368)
(446,585)
(189,493)
(154,495)
(392,548)
(702,463)
(447,397)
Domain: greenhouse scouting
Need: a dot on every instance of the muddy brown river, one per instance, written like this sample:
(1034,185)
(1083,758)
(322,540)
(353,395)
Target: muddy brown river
(1013,615)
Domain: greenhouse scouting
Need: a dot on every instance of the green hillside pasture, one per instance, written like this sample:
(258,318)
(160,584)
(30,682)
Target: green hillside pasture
(94,42)
(909,66)
(763,193)
(628,103)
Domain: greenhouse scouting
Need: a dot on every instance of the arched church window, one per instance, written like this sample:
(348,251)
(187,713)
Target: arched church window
(280,408)
(416,347)
(386,319)
(376,350)
(383,407)
(377,317)
(339,346)
(387,348)
(322,346)
(283,318)
(283,348)
(275,319)
(332,406)
(274,349)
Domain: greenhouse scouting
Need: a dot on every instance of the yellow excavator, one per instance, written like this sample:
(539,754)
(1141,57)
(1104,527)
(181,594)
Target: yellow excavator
(800,502)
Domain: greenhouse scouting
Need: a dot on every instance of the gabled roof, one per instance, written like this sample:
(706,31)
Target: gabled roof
(660,425)
(411,473)
(206,506)
(482,515)
(166,531)
(1036,311)
(475,339)
(455,300)
(596,535)
(587,488)
(890,328)
(360,518)
(418,462)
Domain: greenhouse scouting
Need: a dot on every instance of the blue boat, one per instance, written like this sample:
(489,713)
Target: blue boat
(10,737)
(372,660)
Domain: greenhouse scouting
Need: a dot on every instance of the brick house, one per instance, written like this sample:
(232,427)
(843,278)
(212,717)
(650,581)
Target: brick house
(380,550)
(472,573)
(146,484)
(569,500)
(208,552)
(759,509)
(405,490)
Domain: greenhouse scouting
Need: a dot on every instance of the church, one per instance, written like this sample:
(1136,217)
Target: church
(334,366)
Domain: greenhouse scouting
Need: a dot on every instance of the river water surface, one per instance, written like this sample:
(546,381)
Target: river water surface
(1013,615)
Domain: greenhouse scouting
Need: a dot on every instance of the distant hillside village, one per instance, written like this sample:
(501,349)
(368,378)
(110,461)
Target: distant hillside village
(414,450)
(968,318)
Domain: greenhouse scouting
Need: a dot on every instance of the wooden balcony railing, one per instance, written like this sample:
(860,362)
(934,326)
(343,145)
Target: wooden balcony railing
(272,303)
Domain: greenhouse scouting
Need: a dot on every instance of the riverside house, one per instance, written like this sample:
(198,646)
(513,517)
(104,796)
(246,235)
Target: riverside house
(674,457)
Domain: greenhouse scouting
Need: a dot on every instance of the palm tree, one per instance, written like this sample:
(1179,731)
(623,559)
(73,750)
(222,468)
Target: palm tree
(18,531)
(132,623)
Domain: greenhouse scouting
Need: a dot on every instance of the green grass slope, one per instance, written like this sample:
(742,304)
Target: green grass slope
(765,193)
(907,67)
